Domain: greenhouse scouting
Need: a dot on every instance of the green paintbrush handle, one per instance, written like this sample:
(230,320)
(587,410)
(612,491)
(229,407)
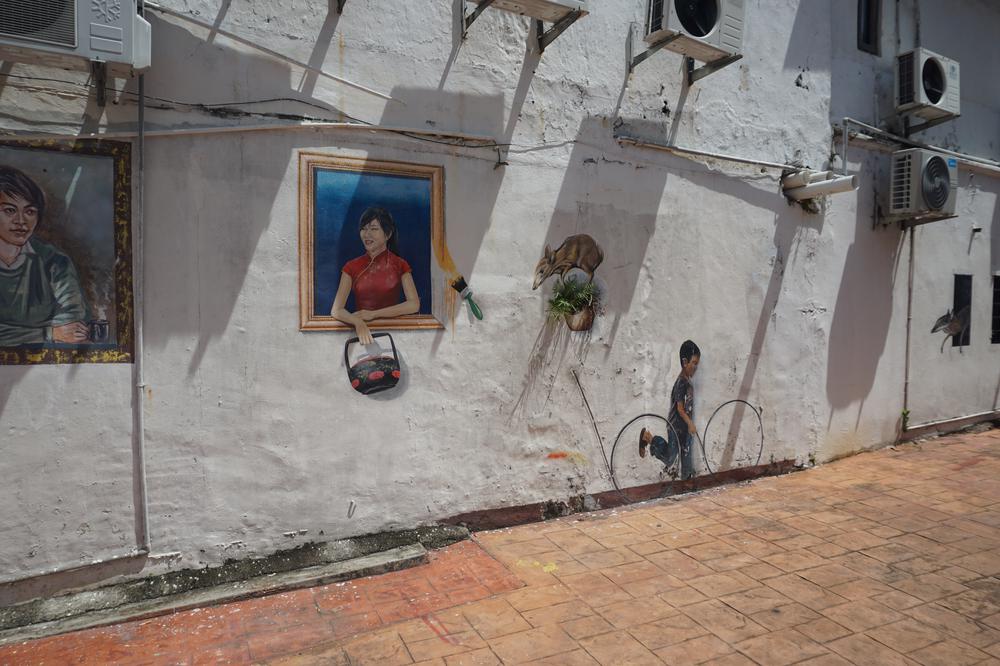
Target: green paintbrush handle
(475,308)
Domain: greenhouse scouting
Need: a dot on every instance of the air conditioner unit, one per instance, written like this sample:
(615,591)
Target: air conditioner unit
(546,10)
(706,30)
(924,185)
(927,85)
(72,33)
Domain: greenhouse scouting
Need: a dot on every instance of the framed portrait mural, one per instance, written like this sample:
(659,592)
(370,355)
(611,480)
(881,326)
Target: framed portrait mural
(364,226)
(65,252)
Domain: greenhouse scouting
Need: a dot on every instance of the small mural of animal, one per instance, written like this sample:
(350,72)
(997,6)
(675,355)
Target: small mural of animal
(578,251)
(952,324)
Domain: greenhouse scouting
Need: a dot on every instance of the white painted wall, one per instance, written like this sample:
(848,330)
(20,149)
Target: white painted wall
(255,440)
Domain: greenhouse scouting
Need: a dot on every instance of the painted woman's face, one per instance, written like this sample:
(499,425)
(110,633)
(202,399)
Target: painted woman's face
(373,238)
(18,219)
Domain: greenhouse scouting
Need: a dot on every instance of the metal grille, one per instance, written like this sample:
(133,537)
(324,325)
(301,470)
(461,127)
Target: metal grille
(50,21)
(905,82)
(654,21)
(902,168)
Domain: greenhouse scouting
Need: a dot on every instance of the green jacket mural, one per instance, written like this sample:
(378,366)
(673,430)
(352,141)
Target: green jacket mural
(39,290)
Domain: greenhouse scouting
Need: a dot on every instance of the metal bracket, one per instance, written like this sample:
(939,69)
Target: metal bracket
(469,19)
(99,70)
(909,221)
(340,6)
(546,37)
(694,74)
(910,129)
(633,62)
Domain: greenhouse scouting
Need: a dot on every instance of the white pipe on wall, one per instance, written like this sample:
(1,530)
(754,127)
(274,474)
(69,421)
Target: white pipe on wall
(822,188)
(804,177)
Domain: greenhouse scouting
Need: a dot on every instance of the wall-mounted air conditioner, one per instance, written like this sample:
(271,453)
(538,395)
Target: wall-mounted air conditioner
(72,33)
(549,11)
(706,30)
(927,85)
(924,184)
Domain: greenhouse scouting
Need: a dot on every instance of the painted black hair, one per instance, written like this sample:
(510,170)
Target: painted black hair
(15,183)
(385,221)
(688,351)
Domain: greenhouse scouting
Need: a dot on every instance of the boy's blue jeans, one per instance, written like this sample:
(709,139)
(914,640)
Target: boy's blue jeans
(666,450)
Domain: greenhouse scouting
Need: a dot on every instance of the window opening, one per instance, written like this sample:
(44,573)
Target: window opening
(962,310)
(869,25)
(995,336)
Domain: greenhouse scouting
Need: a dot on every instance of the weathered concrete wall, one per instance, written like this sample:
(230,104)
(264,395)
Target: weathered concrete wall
(255,440)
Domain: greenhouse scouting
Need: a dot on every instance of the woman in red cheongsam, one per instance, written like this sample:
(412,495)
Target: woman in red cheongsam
(377,277)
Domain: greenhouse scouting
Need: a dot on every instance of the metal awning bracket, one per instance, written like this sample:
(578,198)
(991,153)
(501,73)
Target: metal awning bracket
(633,62)
(695,74)
(546,37)
(469,19)
(909,129)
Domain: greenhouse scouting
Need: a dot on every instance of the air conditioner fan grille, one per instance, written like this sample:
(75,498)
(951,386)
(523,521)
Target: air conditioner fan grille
(935,183)
(51,21)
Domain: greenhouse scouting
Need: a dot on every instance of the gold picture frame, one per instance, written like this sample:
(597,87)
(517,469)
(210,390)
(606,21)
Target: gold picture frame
(324,247)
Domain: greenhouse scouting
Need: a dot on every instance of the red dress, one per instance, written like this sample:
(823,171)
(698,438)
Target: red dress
(377,283)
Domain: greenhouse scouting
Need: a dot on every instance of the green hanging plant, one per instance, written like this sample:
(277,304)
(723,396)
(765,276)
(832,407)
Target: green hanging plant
(571,296)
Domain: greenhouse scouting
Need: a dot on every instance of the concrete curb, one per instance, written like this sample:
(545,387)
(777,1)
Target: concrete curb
(395,559)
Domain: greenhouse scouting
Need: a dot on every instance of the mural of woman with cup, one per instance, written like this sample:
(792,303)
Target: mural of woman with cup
(41,301)
(381,280)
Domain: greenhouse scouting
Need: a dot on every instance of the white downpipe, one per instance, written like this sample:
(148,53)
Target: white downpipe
(822,188)
(139,308)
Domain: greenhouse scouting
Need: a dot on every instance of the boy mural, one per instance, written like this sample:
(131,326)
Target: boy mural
(40,297)
(682,428)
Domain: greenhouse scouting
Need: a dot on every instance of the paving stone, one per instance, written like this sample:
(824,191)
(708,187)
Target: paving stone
(618,649)
(787,646)
(888,557)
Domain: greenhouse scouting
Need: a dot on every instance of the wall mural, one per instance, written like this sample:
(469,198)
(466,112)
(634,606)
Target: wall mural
(572,300)
(65,252)
(681,430)
(952,325)
(366,230)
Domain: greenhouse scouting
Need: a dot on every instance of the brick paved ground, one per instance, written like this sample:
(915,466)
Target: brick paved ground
(887,558)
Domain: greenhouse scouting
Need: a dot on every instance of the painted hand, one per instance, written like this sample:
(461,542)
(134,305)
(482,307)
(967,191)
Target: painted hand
(364,334)
(72,333)
(365,315)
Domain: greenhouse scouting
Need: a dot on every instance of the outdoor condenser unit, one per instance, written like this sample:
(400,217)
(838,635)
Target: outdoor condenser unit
(706,30)
(924,184)
(73,33)
(549,11)
(927,85)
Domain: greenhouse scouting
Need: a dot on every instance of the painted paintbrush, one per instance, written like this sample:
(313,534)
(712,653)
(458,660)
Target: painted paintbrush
(459,285)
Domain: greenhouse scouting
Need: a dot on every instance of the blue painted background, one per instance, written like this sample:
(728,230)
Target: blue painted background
(339,200)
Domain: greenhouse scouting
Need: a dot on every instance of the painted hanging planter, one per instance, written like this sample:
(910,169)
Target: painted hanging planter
(373,373)
(572,300)
(580,321)
(575,302)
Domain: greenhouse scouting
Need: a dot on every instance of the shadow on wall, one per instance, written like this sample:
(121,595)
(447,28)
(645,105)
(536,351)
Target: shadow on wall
(10,375)
(861,316)
(789,221)
(472,182)
(206,240)
(613,201)
(618,202)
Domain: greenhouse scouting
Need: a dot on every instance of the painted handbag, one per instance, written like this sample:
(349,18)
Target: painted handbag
(372,374)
